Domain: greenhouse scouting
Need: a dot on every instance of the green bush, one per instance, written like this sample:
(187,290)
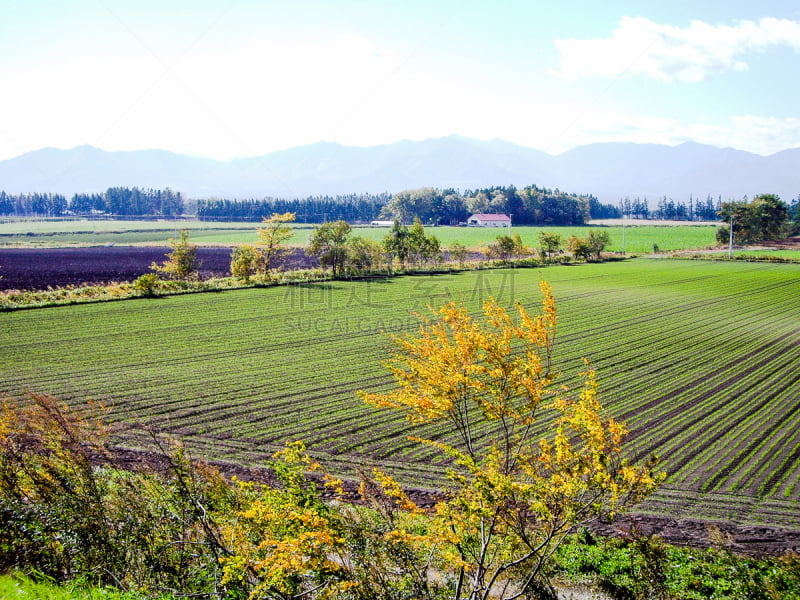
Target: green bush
(644,567)
(147,285)
(69,513)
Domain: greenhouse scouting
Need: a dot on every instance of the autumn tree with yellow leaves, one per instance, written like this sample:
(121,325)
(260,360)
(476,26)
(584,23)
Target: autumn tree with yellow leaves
(181,263)
(300,540)
(512,496)
(272,238)
(285,539)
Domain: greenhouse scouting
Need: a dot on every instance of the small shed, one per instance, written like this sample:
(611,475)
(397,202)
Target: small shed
(489,220)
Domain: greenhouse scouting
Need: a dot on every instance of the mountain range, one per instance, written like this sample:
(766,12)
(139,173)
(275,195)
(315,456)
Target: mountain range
(609,171)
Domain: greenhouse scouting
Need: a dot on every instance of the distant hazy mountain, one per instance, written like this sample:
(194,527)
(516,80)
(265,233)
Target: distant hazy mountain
(609,171)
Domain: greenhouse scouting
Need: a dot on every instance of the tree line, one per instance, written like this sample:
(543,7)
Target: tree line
(314,209)
(333,244)
(670,210)
(695,209)
(529,205)
(116,201)
(33,205)
(403,246)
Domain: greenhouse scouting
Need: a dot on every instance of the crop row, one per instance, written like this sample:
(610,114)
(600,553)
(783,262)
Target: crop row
(700,359)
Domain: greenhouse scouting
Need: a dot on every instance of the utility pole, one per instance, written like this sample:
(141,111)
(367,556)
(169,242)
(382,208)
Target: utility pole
(730,239)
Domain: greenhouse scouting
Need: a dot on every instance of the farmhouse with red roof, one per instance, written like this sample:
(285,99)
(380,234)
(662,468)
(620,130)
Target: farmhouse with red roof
(489,220)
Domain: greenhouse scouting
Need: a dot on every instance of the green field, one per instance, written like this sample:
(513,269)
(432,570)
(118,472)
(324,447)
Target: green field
(700,358)
(70,232)
(637,240)
(761,254)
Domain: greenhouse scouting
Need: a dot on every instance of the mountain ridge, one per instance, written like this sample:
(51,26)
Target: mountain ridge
(608,170)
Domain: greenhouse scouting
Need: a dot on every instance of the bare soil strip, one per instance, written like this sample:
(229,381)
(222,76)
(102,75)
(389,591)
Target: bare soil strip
(751,540)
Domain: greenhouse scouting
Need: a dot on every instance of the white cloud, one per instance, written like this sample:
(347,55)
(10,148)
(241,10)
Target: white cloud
(764,135)
(640,47)
(757,134)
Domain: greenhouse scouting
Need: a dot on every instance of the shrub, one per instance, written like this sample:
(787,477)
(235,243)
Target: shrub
(70,513)
(244,262)
(181,263)
(147,285)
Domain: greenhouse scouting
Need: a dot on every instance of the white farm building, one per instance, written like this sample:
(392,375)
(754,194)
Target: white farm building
(489,220)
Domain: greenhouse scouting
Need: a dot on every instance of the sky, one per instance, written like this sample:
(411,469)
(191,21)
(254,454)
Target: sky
(237,78)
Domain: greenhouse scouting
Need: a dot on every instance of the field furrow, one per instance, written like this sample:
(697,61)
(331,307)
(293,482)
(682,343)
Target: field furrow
(700,359)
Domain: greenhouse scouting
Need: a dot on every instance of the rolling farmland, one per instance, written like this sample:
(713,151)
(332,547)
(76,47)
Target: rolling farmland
(700,359)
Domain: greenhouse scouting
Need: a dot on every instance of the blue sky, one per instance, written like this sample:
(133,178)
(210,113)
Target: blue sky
(235,78)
